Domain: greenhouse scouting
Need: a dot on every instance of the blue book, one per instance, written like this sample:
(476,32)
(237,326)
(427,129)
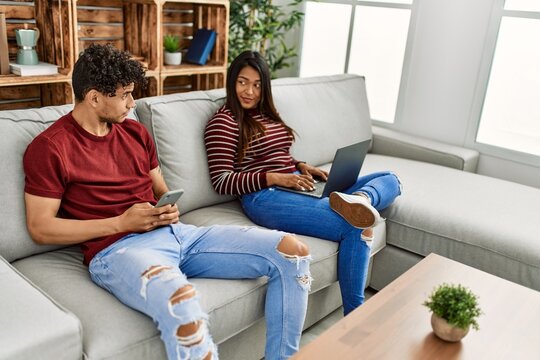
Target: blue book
(201,46)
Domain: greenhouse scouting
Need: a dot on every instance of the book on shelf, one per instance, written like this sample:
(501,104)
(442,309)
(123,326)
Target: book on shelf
(201,46)
(42,68)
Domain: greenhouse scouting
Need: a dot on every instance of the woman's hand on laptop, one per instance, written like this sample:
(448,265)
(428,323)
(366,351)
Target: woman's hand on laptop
(312,171)
(294,181)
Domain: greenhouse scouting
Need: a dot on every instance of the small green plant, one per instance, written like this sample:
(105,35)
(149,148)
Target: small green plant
(456,304)
(171,43)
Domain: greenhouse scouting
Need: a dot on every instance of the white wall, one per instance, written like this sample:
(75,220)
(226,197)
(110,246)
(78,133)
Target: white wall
(442,75)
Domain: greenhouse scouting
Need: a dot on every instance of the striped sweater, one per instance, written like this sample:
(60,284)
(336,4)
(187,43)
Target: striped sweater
(267,153)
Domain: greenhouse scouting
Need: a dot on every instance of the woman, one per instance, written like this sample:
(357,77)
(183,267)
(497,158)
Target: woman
(248,145)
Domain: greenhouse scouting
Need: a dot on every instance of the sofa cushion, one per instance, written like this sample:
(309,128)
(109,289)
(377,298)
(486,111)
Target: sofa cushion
(18,128)
(487,223)
(308,105)
(177,124)
(33,324)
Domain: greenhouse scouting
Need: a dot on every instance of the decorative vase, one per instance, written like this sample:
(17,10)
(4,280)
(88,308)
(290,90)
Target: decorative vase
(445,331)
(173,58)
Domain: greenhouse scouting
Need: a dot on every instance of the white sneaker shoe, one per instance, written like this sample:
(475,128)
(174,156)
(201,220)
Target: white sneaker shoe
(355,209)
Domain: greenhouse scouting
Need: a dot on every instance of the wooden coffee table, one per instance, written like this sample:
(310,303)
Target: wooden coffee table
(394,324)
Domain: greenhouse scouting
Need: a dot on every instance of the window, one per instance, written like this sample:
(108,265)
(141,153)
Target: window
(324,44)
(362,37)
(510,116)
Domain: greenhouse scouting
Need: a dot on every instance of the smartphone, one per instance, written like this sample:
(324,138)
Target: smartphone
(170,197)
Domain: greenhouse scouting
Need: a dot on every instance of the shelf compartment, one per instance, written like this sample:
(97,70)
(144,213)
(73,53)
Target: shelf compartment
(35,95)
(184,83)
(55,23)
(183,18)
(127,25)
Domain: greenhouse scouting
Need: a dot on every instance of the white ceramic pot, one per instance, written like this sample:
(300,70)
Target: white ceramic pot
(172,58)
(445,331)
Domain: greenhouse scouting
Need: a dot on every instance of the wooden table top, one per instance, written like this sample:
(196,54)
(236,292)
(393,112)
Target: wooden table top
(393,324)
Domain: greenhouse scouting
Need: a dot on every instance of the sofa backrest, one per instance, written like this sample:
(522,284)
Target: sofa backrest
(17,129)
(326,112)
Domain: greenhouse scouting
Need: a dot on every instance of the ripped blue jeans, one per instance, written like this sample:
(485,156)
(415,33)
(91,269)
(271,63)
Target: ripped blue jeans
(149,272)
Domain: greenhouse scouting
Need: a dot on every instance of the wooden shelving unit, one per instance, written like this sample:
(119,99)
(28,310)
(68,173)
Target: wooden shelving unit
(69,26)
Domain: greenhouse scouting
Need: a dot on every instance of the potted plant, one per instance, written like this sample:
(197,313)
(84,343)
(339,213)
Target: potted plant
(455,309)
(171,44)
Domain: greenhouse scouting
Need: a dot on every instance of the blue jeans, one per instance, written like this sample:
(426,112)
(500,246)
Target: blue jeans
(306,215)
(145,270)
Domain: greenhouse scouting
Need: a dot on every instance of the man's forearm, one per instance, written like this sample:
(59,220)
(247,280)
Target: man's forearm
(68,232)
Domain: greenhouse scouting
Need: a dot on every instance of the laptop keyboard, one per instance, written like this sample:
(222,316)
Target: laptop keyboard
(318,187)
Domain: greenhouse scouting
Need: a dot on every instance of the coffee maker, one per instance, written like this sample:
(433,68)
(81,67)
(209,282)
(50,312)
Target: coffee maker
(27,40)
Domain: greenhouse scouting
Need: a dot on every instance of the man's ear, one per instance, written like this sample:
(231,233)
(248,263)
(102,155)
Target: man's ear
(92,97)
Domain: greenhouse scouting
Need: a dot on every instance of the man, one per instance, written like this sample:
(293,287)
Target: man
(93,177)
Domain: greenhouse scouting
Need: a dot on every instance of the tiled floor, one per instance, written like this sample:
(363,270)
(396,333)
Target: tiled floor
(318,328)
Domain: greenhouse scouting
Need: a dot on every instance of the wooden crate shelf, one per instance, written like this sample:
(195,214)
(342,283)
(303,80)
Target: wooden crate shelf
(67,27)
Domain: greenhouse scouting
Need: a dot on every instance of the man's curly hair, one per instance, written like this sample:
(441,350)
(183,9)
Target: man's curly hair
(104,68)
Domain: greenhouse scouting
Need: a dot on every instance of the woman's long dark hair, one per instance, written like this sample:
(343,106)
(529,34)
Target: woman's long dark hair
(247,126)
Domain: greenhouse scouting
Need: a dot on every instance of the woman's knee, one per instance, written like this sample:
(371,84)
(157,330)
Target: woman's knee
(290,245)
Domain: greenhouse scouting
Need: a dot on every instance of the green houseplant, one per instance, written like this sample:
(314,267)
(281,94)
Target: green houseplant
(172,54)
(455,309)
(261,26)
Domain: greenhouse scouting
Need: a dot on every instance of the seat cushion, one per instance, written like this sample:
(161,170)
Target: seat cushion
(108,325)
(487,223)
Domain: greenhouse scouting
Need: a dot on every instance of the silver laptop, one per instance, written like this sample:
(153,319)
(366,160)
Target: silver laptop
(343,173)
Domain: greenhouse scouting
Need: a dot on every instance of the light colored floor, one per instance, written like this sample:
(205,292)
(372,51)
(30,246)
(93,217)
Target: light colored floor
(318,328)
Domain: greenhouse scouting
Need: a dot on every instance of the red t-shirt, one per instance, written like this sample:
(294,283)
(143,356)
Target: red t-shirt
(95,177)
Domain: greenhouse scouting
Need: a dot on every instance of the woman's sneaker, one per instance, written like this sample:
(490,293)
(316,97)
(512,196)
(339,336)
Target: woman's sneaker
(355,209)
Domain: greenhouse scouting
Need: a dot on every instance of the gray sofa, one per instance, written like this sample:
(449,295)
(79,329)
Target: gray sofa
(49,308)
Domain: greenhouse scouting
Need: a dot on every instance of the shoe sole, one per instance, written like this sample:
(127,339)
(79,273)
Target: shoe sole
(355,214)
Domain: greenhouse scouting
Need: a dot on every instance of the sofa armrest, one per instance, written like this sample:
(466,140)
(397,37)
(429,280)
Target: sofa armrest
(33,325)
(393,143)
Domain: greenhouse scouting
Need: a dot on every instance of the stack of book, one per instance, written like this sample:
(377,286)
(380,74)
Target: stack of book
(41,68)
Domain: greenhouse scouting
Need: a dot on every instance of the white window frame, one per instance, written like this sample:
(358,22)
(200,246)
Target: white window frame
(497,14)
(408,46)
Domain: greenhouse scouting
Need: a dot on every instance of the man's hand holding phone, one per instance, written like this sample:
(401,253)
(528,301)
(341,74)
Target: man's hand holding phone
(145,217)
(170,198)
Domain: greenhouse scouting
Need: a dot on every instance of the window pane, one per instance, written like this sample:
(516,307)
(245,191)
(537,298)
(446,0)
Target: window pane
(523,5)
(377,51)
(324,45)
(511,113)
(392,1)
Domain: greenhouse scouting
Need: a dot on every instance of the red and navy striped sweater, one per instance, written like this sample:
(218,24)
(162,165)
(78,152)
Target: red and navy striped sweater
(266,153)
